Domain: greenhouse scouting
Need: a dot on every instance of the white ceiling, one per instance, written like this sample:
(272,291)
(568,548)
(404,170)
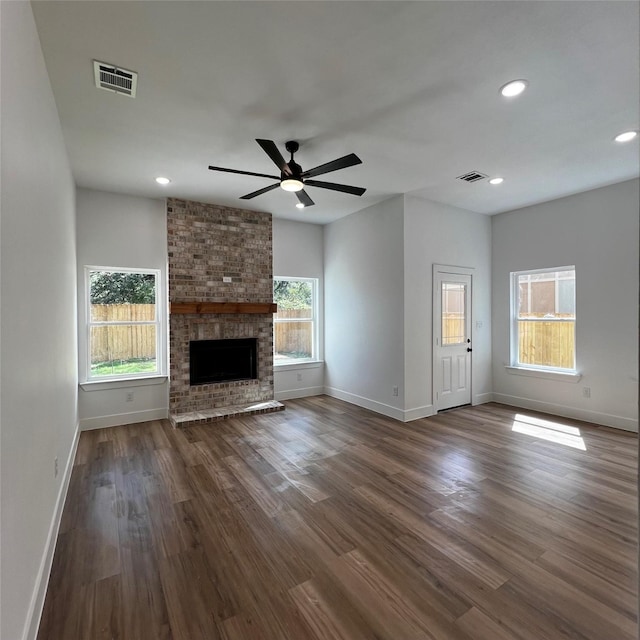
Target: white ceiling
(410,87)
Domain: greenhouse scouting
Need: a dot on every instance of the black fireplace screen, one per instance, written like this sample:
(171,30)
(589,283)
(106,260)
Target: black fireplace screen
(223,360)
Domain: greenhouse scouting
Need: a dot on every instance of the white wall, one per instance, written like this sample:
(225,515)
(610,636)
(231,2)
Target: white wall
(440,234)
(38,319)
(597,231)
(115,230)
(298,251)
(364,315)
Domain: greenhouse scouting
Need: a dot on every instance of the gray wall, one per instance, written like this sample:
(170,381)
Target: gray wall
(364,307)
(378,297)
(440,234)
(115,230)
(298,251)
(38,418)
(597,231)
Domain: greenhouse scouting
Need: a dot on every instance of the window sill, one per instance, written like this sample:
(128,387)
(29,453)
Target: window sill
(541,373)
(122,383)
(291,366)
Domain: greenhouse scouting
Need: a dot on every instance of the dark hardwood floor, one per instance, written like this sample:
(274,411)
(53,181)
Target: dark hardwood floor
(328,521)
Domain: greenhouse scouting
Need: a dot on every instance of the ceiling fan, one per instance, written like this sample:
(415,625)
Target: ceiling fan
(293,178)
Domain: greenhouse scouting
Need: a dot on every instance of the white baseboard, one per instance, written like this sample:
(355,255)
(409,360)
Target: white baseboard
(42,582)
(291,394)
(373,405)
(418,412)
(118,419)
(379,407)
(605,419)
(482,398)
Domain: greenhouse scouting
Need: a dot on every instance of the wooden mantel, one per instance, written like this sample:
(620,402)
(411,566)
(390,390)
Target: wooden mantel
(223,307)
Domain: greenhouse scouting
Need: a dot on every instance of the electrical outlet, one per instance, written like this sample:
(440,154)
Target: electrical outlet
(55,467)
(299,377)
(129,396)
(395,391)
(586,392)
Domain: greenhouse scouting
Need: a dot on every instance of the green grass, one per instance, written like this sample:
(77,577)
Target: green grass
(123,367)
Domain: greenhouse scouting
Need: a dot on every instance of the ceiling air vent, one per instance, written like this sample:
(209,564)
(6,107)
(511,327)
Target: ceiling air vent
(472,176)
(114,79)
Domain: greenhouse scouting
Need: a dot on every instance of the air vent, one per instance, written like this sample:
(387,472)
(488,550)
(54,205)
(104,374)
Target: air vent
(115,79)
(472,176)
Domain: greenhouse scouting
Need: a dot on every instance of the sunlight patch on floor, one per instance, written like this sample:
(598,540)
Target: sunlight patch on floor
(549,430)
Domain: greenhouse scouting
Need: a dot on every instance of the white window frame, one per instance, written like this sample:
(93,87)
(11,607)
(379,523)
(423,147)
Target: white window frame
(315,358)
(515,363)
(157,322)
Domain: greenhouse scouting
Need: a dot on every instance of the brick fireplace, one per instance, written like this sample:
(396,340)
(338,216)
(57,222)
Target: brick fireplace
(218,255)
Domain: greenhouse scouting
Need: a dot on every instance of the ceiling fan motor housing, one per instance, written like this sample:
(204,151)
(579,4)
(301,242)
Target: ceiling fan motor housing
(291,146)
(296,171)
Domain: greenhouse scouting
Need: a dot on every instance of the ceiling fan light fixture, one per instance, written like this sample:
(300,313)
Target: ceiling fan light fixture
(292,184)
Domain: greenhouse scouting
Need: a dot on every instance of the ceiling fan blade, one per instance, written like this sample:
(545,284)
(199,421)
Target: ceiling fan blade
(345,188)
(341,163)
(269,147)
(259,192)
(303,197)
(244,173)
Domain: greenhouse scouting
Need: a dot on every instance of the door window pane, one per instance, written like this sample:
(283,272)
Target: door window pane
(453,313)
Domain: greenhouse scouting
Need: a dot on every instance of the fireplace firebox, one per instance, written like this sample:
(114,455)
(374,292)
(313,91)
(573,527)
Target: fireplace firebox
(214,361)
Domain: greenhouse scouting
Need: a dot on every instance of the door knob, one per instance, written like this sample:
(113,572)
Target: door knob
(469,349)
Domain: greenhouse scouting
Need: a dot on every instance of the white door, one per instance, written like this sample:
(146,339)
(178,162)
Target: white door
(452,337)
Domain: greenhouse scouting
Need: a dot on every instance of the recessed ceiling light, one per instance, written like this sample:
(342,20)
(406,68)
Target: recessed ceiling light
(161,180)
(299,205)
(626,136)
(513,88)
(496,181)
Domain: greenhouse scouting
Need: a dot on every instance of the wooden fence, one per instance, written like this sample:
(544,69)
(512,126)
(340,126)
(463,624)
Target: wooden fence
(550,344)
(122,342)
(547,343)
(541,343)
(453,328)
(293,337)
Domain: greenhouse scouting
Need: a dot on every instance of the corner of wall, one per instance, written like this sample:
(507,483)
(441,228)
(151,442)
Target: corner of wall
(36,606)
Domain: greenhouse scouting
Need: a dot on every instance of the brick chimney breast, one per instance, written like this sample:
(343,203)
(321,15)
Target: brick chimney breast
(208,244)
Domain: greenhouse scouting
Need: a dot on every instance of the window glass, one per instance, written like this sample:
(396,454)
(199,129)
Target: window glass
(294,323)
(544,326)
(453,313)
(123,349)
(123,326)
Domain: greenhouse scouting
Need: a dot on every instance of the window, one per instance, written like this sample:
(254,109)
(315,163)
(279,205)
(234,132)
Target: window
(453,313)
(544,319)
(123,325)
(295,327)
